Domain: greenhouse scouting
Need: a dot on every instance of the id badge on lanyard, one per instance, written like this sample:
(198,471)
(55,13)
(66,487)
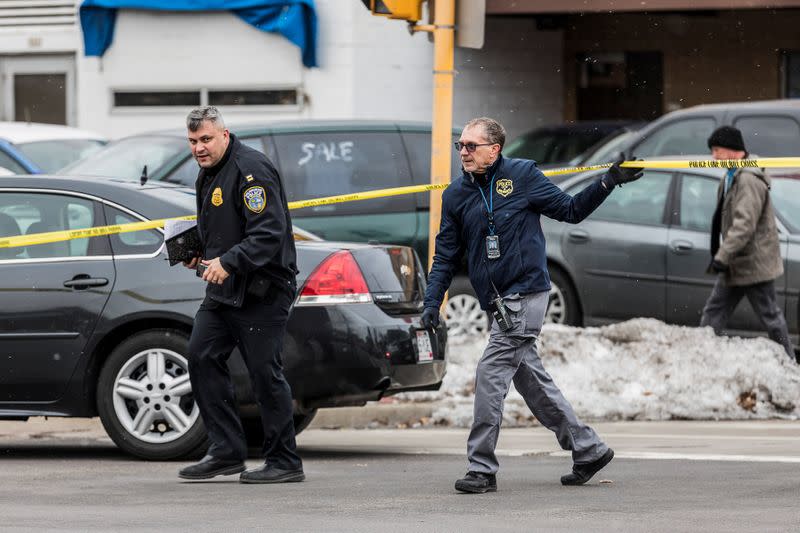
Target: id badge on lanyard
(492,247)
(492,240)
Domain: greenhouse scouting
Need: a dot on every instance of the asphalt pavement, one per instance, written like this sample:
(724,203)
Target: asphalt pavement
(697,476)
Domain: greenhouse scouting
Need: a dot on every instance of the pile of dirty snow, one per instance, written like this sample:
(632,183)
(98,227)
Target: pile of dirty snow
(641,369)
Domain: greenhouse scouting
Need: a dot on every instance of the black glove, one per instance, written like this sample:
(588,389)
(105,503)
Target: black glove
(618,175)
(718,266)
(430,317)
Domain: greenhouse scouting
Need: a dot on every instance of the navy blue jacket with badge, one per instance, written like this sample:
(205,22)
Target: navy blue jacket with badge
(521,194)
(243,219)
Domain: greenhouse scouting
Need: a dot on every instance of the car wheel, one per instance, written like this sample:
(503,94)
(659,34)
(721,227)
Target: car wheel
(563,306)
(145,400)
(463,313)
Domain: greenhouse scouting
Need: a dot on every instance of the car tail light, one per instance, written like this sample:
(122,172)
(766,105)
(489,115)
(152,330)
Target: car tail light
(337,280)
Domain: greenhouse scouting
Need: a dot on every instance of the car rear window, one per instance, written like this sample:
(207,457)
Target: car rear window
(770,136)
(418,146)
(319,164)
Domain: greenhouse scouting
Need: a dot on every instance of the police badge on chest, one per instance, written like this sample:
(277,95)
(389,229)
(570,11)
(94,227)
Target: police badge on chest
(492,246)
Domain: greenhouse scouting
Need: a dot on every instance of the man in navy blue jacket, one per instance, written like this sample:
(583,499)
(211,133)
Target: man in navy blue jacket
(491,214)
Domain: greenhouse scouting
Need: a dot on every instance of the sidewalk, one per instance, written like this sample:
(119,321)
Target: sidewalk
(759,441)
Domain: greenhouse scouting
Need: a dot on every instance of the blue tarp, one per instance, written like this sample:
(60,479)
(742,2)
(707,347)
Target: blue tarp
(294,19)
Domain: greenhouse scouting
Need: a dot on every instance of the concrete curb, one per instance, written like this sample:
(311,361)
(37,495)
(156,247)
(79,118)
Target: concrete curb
(372,415)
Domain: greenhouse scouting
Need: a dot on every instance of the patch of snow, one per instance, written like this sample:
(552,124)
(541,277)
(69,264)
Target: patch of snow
(641,369)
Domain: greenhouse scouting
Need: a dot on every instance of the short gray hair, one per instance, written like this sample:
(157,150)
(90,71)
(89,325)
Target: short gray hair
(494,131)
(197,115)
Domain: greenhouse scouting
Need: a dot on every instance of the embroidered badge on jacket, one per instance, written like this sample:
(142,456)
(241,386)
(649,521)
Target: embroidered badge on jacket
(255,198)
(504,187)
(216,197)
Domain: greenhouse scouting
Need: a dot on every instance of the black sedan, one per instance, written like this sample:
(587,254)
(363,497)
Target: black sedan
(100,326)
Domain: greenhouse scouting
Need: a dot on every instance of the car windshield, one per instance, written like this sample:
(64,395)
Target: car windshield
(126,158)
(52,156)
(786,197)
(605,151)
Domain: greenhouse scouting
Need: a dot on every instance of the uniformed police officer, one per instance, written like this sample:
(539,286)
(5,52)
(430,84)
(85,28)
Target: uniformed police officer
(248,260)
(492,213)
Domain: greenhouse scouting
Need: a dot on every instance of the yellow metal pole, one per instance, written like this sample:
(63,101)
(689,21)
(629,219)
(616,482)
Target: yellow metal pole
(441,136)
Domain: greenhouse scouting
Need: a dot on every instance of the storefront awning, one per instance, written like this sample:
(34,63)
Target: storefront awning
(294,19)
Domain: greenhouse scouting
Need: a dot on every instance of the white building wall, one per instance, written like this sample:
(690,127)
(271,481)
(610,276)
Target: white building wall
(172,51)
(370,68)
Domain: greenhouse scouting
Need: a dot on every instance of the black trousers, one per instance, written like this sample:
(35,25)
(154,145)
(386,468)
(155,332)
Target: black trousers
(257,328)
(762,298)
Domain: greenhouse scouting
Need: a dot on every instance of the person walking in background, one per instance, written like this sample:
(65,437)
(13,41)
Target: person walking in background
(747,259)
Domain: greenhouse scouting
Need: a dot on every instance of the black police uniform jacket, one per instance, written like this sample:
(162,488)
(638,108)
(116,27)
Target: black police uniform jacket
(243,219)
(520,195)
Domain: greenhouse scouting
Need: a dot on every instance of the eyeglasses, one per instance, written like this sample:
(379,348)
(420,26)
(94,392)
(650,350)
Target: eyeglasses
(471,147)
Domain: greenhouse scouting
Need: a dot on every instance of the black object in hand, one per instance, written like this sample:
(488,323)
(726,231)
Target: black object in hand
(200,269)
(184,246)
(718,266)
(619,175)
(430,318)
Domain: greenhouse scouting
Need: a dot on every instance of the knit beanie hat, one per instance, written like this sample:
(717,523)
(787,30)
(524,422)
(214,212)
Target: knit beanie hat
(727,137)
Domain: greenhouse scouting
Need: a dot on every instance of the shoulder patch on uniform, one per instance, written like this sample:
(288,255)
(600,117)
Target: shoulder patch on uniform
(249,178)
(505,187)
(255,198)
(216,197)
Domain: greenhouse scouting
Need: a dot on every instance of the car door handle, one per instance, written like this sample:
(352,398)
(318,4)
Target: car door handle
(83,281)
(578,235)
(681,247)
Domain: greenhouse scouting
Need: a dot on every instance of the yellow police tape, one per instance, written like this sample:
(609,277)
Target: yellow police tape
(56,236)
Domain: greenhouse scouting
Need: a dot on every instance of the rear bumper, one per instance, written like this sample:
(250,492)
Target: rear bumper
(353,353)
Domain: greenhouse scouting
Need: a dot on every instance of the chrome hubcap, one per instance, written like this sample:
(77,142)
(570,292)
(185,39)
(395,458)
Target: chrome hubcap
(153,396)
(465,317)
(556,307)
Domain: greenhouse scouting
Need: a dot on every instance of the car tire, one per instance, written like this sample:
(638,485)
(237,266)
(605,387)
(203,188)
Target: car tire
(563,307)
(463,313)
(145,401)
(254,431)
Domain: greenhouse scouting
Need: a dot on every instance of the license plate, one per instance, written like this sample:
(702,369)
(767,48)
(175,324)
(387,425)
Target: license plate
(424,348)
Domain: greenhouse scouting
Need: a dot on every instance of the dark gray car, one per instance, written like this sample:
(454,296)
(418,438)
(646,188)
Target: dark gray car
(644,251)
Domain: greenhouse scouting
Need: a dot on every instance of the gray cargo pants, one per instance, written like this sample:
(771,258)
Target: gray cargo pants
(724,299)
(512,355)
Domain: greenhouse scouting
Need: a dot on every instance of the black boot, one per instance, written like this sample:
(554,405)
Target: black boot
(583,473)
(209,466)
(477,483)
(272,474)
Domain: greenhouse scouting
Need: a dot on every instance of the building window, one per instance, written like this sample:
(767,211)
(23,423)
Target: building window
(266,97)
(219,97)
(791,74)
(156,98)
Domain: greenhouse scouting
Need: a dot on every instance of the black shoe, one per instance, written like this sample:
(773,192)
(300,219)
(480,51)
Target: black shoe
(477,483)
(272,474)
(583,473)
(209,466)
